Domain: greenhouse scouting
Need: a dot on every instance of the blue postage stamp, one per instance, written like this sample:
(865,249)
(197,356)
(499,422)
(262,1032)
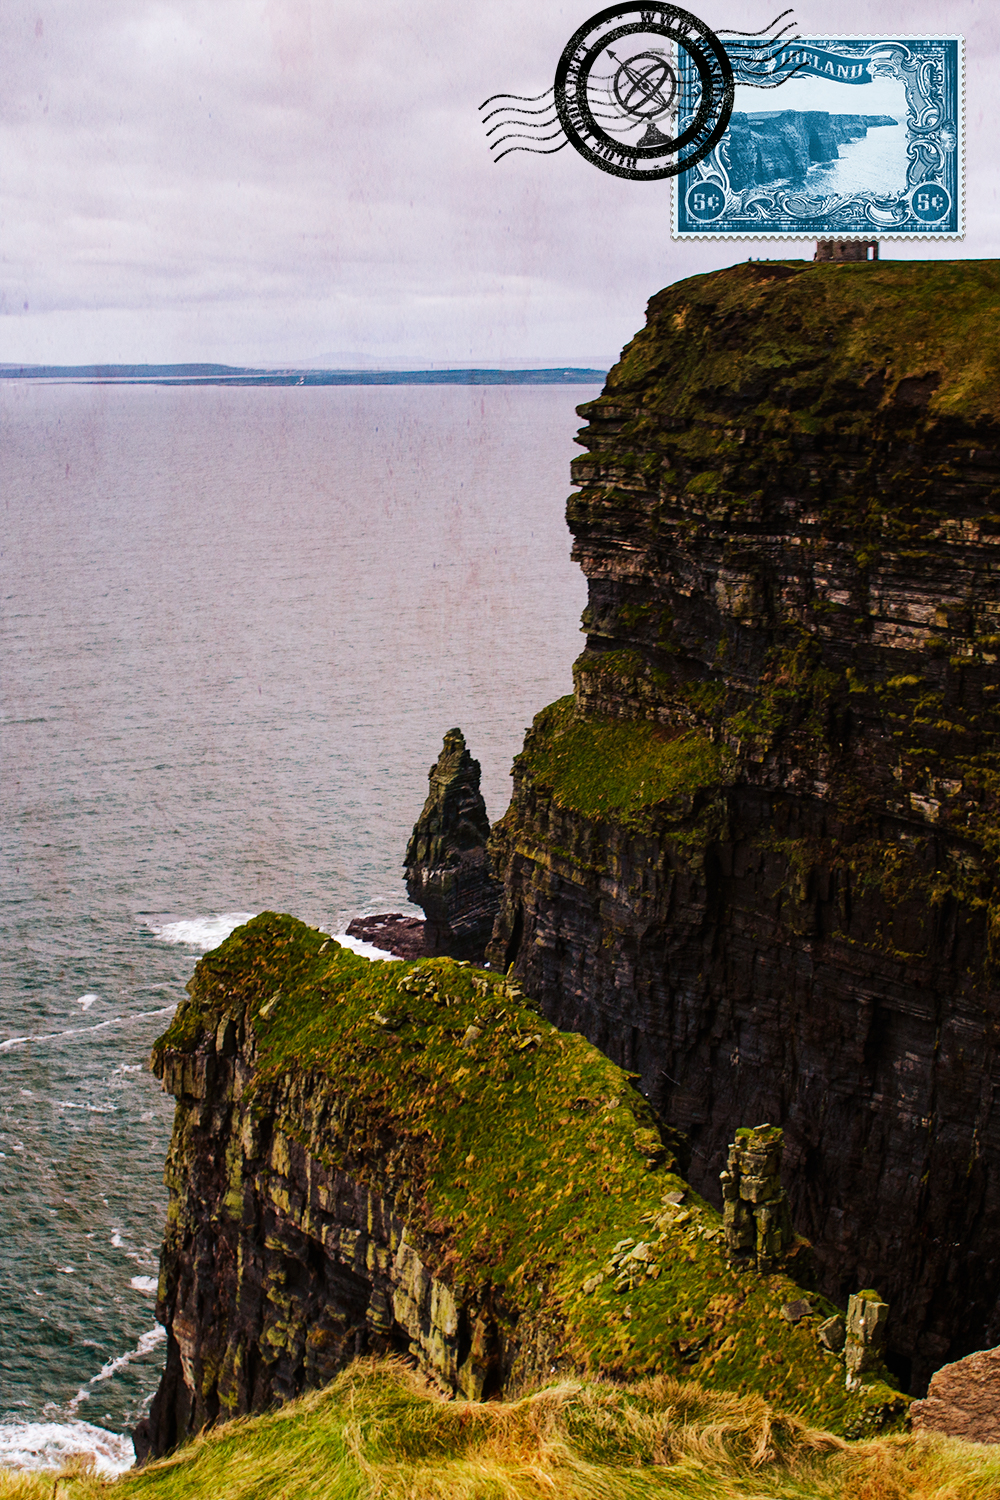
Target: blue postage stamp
(866,143)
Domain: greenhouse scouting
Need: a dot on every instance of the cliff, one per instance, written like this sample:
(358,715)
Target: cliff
(781,146)
(754,857)
(404,1157)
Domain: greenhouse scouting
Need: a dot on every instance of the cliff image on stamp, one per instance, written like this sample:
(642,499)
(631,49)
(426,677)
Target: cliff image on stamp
(869,143)
(648,92)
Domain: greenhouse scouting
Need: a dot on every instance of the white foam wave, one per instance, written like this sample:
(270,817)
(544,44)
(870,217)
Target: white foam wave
(201,932)
(149,1340)
(48,1445)
(367,950)
(144,1283)
(55,1036)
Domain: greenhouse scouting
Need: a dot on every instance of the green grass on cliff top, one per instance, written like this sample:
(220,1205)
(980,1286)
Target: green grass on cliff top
(529,1150)
(901,320)
(376,1434)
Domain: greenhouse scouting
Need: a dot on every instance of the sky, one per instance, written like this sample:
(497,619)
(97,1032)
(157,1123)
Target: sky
(269,182)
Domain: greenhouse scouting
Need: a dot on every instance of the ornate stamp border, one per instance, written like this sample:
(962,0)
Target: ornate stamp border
(931,205)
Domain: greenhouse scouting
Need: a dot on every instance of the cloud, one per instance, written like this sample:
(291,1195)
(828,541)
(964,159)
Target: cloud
(221,179)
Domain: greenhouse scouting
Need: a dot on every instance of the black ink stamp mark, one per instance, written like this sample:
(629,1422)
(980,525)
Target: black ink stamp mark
(668,64)
(604,97)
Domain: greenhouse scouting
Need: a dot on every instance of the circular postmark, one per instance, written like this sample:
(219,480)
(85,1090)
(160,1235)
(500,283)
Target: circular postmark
(644,90)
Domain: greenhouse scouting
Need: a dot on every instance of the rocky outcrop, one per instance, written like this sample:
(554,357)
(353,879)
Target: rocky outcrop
(392,932)
(963,1400)
(765,148)
(755,857)
(447,867)
(755,1206)
(866,1326)
(373,1157)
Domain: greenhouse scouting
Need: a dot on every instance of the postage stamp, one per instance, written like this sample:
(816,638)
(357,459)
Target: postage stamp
(867,144)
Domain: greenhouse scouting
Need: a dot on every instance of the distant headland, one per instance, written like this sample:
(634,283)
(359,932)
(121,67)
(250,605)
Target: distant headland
(199,374)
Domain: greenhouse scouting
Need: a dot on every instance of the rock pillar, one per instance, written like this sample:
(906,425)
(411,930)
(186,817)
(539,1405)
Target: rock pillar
(867,1316)
(447,868)
(756,1218)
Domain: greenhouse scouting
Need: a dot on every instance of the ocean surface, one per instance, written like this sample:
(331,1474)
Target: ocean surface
(876,164)
(234,628)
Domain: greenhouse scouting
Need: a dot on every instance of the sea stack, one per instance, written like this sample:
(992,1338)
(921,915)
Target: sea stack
(447,867)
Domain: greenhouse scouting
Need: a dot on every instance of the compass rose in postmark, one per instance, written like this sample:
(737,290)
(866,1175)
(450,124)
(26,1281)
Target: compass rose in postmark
(628,75)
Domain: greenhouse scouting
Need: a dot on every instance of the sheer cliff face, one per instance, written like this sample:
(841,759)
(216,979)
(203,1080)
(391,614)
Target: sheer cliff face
(755,857)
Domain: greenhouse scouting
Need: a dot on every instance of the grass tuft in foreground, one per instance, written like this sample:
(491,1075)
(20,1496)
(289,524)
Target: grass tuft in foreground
(377,1433)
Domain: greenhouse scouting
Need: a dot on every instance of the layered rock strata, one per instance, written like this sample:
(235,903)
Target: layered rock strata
(755,857)
(373,1157)
(447,867)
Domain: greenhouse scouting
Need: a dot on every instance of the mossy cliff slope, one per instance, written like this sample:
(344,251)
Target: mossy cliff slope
(378,1157)
(755,856)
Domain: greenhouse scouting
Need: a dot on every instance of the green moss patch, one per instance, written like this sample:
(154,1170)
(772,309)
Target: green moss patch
(614,769)
(530,1152)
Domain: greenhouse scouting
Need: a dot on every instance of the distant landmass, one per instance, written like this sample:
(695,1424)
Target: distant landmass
(782,145)
(237,375)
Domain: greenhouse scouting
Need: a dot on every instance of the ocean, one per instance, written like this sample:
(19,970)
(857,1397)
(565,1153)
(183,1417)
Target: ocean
(236,624)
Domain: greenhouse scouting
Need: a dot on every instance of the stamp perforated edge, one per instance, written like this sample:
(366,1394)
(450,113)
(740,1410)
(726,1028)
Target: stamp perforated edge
(689,237)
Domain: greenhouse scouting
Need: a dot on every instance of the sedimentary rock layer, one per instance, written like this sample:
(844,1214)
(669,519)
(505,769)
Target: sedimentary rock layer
(374,1156)
(755,857)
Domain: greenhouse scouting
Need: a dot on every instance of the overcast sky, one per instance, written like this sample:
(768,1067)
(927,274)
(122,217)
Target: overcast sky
(270,181)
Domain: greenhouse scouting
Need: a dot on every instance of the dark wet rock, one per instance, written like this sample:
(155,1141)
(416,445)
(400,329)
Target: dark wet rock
(390,930)
(447,867)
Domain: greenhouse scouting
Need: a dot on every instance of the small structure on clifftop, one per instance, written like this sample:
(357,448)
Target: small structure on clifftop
(447,868)
(756,1219)
(846,250)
